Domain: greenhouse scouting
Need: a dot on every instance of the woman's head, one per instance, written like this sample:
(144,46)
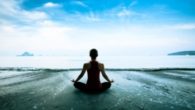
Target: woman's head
(93,53)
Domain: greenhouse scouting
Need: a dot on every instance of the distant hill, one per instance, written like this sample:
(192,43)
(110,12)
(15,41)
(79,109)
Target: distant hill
(26,54)
(183,53)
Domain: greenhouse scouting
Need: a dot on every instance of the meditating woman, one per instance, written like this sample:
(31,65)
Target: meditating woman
(93,69)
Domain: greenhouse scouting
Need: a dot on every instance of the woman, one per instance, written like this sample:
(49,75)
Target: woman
(93,69)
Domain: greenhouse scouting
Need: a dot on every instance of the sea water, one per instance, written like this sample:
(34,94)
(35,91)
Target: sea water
(140,82)
(114,62)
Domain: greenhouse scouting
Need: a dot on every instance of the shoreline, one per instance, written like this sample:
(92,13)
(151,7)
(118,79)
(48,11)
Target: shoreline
(137,90)
(107,69)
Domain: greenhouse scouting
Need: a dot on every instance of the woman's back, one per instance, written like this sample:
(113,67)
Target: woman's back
(93,81)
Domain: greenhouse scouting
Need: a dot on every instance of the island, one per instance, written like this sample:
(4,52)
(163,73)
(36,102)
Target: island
(183,53)
(26,54)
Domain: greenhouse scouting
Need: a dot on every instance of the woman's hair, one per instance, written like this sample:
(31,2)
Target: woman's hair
(93,53)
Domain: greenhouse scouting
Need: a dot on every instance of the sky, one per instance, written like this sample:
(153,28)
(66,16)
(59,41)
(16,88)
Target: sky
(114,27)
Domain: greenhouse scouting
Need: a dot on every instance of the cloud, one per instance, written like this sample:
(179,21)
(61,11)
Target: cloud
(51,5)
(23,30)
(33,30)
(125,13)
(47,36)
(133,3)
(80,4)
(184,26)
(11,12)
(177,27)
(92,17)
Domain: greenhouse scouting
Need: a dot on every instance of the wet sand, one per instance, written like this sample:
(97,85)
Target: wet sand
(44,89)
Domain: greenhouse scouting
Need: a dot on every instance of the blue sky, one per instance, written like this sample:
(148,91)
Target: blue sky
(114,27)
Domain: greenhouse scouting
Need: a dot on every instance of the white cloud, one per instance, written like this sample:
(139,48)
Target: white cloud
(47,36)
(51,5)
(30,30)
(8,7)
(11,12)
(92,17)
(184,26)
(177,27)
(133,3)
(124,12)
(50,37)
(34,15)
(80,4)
(44,35)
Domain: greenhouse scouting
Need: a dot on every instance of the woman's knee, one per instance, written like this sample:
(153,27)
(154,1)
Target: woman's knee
(80,85)
(109,85)
(106,85)
(77,84)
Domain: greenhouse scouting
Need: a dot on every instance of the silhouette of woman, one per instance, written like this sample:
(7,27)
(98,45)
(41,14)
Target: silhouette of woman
(93,69)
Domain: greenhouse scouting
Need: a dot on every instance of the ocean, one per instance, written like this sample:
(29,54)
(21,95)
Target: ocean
(140,83)
(112,62)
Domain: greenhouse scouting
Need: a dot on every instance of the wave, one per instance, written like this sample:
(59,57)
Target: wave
(79,69)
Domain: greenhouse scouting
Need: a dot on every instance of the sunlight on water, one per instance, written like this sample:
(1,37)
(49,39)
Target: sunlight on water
(109,61)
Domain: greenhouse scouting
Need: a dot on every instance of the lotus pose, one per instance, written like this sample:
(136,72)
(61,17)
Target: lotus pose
(93,69)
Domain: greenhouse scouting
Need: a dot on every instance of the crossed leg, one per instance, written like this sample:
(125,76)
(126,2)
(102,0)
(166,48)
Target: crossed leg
(83,87)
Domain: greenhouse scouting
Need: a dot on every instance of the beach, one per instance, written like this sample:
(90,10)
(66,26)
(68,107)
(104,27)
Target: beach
(135,89)
(144,48)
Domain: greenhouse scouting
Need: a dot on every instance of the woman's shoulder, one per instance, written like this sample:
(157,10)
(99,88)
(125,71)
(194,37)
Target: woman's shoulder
(86,64)
(101,65)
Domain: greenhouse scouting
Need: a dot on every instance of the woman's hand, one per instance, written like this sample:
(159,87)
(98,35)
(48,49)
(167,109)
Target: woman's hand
(73,80)
(111,81)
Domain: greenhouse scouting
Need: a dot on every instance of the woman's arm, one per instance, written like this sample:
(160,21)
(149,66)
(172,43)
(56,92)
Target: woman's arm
(82,73)
(104,73)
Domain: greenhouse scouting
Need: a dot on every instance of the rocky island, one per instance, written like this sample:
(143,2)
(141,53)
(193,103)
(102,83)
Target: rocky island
(26,54)
(183,53)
